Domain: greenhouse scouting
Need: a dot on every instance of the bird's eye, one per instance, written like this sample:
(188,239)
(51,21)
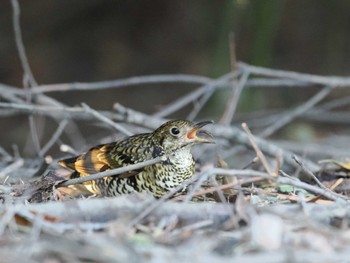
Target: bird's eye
(174,131)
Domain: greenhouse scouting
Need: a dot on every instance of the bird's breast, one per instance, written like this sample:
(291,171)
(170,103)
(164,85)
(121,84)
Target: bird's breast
(181,159)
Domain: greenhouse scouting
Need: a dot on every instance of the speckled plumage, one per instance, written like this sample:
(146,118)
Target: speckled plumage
(175,137)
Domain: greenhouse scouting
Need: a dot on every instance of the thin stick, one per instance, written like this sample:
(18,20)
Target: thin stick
(327,81)
(232,172)
(131,116)
(282,79)
(192,96)
(113,171)
(54,137)
(311,174)
(223,187)
(257,150)
(5,155)
(120,83)
(236,86)
(34,135)
(28,75)
(281,180)
(19,43)
(198,105)
(104,119)
(201,178)
(277,83)
(161,200)
(232,102)
(314,189)
(287,118)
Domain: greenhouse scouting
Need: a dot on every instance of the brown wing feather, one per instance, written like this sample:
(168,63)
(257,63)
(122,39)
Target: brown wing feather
(110,156)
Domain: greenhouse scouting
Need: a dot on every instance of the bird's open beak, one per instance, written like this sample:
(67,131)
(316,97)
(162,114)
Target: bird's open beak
(193,134)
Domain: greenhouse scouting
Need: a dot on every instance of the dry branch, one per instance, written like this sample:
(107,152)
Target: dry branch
(131,116)
(341,82)
(289,116)
(121,83)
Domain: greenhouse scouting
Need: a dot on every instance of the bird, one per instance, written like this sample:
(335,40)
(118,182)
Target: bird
(174,138)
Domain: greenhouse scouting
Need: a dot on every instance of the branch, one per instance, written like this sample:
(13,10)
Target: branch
(113,171)
(341,82)
(232,102)
(138,118)
(281,180)
(192,96)
(120,83)
(19,43)
(289,116)
(257,150)
(62,125)
(107,120)
(314,189)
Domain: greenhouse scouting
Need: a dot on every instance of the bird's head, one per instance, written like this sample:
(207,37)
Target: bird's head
(177,134)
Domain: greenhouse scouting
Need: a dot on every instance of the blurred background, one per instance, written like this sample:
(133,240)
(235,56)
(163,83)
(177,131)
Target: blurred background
(96,40)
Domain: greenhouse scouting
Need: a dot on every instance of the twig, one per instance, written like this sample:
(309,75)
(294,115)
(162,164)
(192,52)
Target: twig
(28,75)
(192,96)
(54,137)
(198,105)
(230,172)
(34,135)
(288,117)
(5,155)
(104,119)
(340,82)
(73,132)
(282,79)
(120,83)
(318,182)
(19,43)
(161,200)
(281,180)
(233,99)
(113,171)
(219,191)
(201,179)
(277,83)
(286,78)
(138,118)
(309,173)
(236,86)
(339,117)
(222,187)
(9,95)
(257,150)
(314,189)
(334,103)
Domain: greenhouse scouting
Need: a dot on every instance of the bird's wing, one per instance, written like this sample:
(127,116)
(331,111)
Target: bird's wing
(109,156)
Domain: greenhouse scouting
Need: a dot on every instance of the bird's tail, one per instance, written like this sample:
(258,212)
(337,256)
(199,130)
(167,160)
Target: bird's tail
(86,187)
(70,164)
